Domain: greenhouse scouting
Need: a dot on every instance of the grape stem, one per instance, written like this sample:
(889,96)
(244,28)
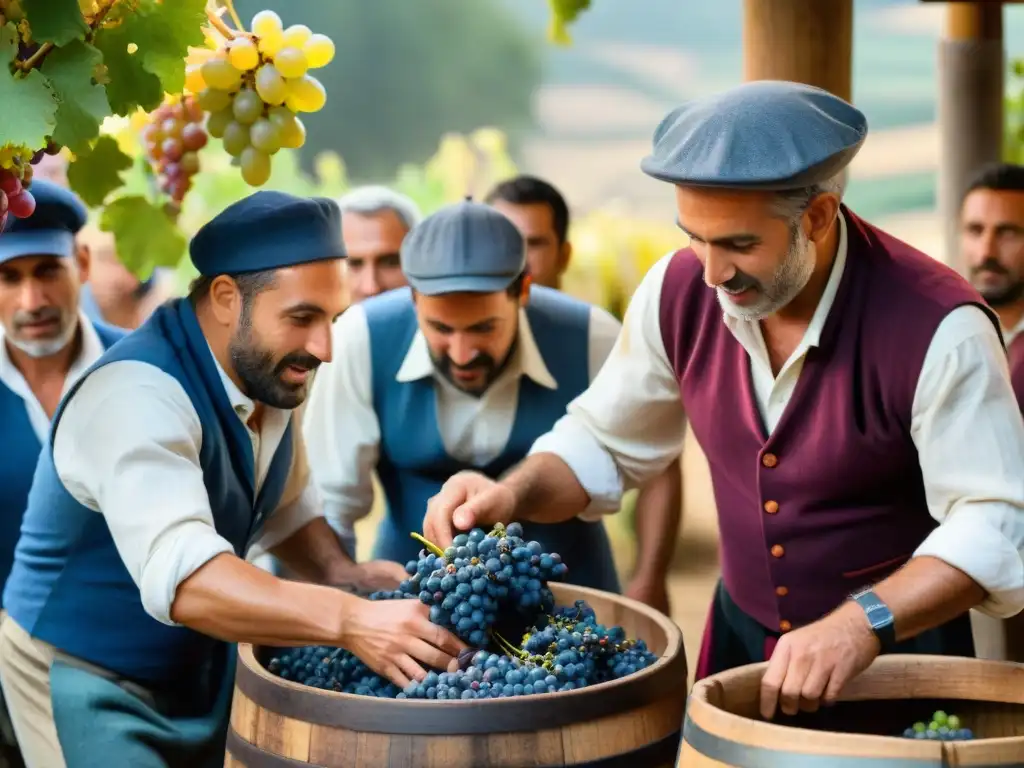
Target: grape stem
(219,25)
(229,4)
(428,544)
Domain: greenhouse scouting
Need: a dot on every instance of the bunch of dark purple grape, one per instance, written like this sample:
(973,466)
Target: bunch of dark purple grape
(485,588)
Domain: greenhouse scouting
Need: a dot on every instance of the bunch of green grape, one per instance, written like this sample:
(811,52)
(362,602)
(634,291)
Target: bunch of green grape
(254,87)
(942,727)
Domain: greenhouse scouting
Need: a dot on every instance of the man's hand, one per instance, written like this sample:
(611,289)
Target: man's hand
(811,665)
(468,500)
(395,639)
(650,591)
(364,578)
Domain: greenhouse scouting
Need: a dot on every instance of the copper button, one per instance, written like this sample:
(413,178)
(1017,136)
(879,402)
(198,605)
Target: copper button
(781,591)
(771,507)
(778,551)
(785,626)
(769,460)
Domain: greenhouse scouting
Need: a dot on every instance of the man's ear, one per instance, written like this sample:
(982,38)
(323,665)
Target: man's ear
(225,300)
(524,296)
(83,260)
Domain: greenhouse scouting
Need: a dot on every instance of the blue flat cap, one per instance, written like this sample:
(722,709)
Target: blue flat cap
(465,247)
(762,135)
(268,230)
(50,230)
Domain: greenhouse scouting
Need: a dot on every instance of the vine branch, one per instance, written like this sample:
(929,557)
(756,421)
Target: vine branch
(36,59)
(219,25)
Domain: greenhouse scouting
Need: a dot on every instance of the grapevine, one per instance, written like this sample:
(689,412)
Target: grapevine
(172,140)
(486,588)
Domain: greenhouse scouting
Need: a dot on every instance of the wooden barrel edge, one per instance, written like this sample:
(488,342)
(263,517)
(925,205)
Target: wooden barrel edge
(658,752)
(374,715)
(911,676)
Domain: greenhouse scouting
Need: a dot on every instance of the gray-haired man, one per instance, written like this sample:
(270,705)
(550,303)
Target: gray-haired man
(375,221)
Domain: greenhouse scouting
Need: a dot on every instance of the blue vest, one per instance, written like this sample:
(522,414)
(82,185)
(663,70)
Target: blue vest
(18,460)
(414,464)
(69,587)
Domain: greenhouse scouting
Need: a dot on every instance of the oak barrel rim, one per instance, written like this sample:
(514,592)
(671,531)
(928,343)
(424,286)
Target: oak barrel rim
(907,676)
(404,717)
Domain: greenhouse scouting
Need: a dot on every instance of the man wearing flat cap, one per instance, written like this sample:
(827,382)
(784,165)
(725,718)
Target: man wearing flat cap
(46,342)
(851,395)
(172,455)
(463,369)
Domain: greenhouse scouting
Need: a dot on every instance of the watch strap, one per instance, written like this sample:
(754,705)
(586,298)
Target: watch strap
(879,617)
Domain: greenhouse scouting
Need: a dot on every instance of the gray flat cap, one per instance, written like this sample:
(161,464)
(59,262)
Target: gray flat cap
(764,135)
(465,247)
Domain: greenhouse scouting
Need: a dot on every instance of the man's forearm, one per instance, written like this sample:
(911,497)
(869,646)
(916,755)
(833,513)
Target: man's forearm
(314,553)
(659,511)
(235,601)
(546,490)
(927,593)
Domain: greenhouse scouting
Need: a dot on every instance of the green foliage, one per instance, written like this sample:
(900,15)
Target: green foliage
(405,73)
(55,21)
(29,97)
(82,103)
(99,171)
(1013,126)
(145,235)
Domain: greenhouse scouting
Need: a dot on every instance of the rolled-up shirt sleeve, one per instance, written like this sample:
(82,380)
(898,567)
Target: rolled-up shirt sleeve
(127,446)
(969,434)
(629,424)
(341,429)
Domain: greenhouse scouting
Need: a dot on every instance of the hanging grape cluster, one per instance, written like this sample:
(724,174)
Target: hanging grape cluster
(16,178)
(172,140)
(254,86)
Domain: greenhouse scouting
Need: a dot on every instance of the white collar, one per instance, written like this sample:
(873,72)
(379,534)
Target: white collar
(89,353)
(812,336)
(526,362)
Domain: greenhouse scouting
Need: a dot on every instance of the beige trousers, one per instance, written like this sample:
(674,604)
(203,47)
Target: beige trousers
(25,676)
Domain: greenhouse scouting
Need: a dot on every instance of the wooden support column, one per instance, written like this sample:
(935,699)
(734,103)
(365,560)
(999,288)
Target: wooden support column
(971,65)
(805,41)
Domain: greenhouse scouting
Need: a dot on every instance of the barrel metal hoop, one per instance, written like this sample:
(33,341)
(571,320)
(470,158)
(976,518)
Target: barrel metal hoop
(660,752)
(433,718)
(752,756)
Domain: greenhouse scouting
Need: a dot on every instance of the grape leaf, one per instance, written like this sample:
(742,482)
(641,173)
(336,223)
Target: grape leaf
(83,104)
(145,235)
(129,85)
(55,21)
(96,172)
(30,98)
(163,32)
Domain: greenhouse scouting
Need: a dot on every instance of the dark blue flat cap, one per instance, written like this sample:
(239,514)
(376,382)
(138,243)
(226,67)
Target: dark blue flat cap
(762,135)
(50,230)
(268,230)
(465,247)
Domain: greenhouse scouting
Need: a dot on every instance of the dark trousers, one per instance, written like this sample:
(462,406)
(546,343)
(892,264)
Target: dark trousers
(733,639)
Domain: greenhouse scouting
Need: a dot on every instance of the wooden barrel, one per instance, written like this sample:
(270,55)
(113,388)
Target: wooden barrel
(723,726)
(633,722)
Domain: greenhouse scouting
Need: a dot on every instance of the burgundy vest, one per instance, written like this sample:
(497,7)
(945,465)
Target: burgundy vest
(1016,355)
(833,499)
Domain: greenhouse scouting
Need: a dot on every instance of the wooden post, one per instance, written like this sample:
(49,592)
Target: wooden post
(971,66)
(805,41)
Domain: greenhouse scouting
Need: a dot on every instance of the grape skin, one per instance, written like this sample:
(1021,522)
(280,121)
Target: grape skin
(479,577)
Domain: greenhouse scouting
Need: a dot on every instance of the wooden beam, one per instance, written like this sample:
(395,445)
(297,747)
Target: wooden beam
(805,41)
(971,73)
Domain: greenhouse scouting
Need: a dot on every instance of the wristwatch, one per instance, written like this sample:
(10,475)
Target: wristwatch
(879,617)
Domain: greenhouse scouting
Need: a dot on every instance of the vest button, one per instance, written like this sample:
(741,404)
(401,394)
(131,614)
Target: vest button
(782,591)
(778,551)
(771,507)
(770,460)
(785,626)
